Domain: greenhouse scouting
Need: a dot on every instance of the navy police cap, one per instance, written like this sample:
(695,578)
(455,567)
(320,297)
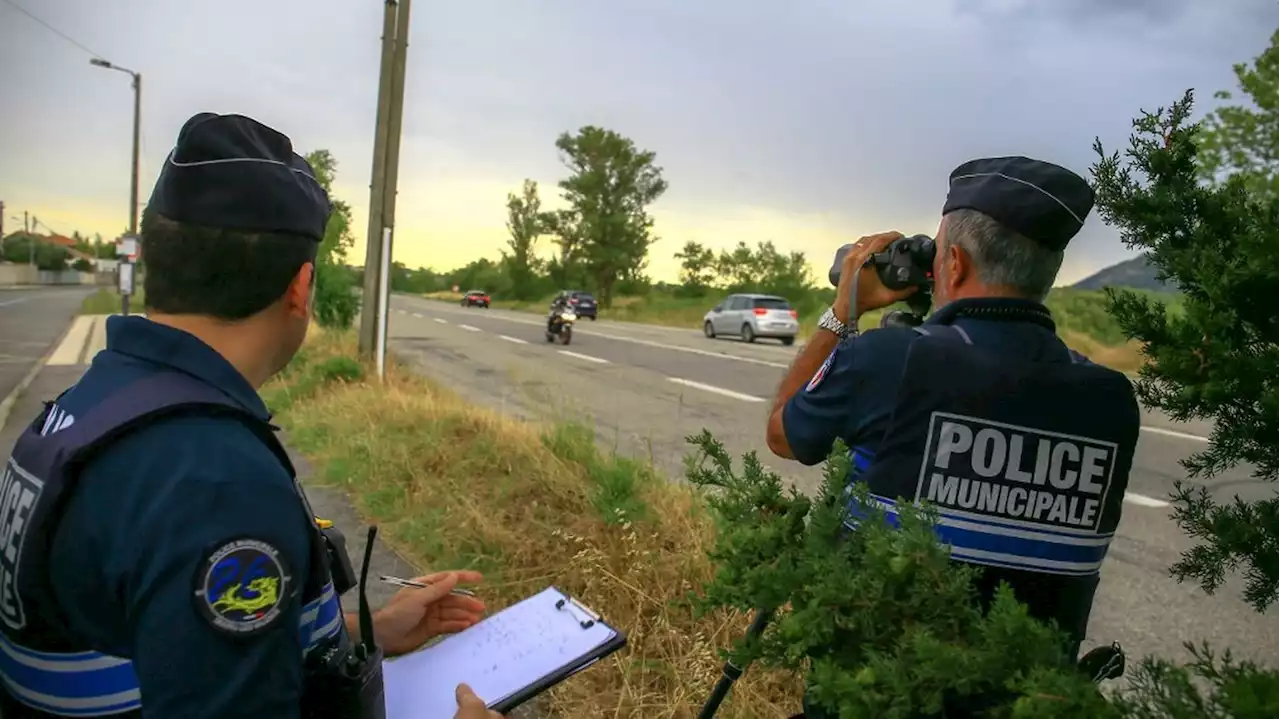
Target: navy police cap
(233,172)
(1039,200)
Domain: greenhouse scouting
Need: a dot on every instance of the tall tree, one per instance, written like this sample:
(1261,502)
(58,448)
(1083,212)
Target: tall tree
(1217,358)
(697,267)
(336,303)
(612,182)
(1240,141)
(525,223)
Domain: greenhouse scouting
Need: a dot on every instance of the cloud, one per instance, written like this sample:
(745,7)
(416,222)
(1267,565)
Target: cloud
(804,123)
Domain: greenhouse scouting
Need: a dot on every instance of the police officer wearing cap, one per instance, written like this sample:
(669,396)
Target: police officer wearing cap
(1023,445)
(165,561)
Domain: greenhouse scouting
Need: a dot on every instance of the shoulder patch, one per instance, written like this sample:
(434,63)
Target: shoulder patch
(821,374)
(241,587)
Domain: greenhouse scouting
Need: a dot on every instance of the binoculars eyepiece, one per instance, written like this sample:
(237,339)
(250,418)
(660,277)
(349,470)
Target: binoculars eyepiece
(906,262)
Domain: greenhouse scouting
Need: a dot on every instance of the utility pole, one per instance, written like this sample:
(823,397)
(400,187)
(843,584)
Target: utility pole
(373,242)
(31,241)
(126,273)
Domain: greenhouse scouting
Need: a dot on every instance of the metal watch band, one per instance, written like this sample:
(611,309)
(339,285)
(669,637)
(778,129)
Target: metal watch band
(830,322)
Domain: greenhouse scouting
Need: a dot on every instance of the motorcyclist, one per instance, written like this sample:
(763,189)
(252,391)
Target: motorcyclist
(558,306)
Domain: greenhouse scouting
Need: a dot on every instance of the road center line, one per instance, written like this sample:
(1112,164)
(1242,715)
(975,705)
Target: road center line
(716,390)
(752,360)
(1143,500)
(516,340)
(469,328)
(443,322)
(588,358)
(417,314)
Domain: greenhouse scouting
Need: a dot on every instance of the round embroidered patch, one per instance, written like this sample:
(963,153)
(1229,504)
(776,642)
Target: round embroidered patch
(241,586)
(821,374)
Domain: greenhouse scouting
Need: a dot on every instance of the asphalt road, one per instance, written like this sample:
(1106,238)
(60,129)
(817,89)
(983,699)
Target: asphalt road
(645,388)
(31,320)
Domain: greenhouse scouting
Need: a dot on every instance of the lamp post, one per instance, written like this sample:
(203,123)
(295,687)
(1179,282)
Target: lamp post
(133,182)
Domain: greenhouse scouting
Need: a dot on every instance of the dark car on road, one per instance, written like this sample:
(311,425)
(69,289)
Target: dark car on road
(476,298)
(583,303)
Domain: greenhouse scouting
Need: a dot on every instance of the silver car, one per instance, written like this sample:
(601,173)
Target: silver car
(752,316)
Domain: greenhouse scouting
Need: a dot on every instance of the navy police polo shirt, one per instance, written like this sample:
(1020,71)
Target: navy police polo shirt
(145,515)
(852,395)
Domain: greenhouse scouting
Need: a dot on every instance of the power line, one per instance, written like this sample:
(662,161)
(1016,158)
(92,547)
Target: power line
(51,28)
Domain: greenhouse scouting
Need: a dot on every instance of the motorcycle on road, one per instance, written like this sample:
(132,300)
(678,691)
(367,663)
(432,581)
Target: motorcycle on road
(560,326)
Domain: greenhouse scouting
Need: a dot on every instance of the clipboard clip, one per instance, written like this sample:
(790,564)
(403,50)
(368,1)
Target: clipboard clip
(573,604)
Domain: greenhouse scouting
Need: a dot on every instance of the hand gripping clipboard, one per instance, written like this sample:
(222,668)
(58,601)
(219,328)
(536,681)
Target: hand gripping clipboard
(507,659)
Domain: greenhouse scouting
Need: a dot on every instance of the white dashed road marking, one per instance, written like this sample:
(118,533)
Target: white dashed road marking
(516,340)
(469,328)
(588,358)
(717,390)
(1143,500)
(417,314)
(443,322)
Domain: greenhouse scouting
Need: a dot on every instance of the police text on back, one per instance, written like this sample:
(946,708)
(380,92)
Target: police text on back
(1016,473)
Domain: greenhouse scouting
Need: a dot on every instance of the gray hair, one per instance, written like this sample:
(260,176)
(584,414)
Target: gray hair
(1002,257)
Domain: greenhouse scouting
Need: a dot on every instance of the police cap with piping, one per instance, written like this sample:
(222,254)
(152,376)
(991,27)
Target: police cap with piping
(1039,200)
(233,172)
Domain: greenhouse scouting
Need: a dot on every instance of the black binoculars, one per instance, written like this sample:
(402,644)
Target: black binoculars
(906,262)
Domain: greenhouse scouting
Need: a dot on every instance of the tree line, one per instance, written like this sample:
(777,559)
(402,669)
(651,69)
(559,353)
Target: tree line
(601,241)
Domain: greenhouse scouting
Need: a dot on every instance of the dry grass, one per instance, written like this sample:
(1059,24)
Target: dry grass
(453,485)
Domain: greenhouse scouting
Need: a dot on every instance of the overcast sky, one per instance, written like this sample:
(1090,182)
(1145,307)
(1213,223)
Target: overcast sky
(808,122)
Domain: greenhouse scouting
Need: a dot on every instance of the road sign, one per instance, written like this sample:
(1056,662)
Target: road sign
(126,278)
(127,246)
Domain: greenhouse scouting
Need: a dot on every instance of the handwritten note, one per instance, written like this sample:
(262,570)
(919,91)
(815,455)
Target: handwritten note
(498,657)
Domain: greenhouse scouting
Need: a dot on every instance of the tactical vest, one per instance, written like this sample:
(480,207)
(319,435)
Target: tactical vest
(46,670)
(1025,461)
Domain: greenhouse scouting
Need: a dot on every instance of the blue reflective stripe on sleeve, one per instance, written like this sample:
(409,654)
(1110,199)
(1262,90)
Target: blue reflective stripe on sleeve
(321,618)
(1001,545)
(79,684)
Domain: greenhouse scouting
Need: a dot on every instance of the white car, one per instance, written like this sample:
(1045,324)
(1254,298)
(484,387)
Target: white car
(752,316)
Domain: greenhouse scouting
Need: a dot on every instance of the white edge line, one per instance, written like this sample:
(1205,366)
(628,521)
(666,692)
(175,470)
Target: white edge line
(517,340)
(716,390)
(469,328)
(588,358)
(1143,500)
(1173,433)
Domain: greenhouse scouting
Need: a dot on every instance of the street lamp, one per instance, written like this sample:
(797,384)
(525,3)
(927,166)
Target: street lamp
(133,185)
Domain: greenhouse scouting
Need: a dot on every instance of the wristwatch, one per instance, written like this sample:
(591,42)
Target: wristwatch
(828,321)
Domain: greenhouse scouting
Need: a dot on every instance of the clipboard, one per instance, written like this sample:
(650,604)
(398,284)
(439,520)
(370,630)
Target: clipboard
(508,658)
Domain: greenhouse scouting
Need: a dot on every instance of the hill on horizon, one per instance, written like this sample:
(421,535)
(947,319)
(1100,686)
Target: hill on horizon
(1136,274)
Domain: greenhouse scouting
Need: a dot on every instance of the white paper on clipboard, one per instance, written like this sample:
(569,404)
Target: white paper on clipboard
(498,658)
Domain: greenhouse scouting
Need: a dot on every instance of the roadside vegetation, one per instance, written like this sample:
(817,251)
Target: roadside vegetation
(106,301)
(452,485)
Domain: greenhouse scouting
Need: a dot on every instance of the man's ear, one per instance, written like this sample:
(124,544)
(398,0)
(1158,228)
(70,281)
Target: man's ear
(959,265)
(298,296)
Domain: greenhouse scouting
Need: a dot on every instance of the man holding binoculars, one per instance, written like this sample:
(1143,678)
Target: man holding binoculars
(1023,445)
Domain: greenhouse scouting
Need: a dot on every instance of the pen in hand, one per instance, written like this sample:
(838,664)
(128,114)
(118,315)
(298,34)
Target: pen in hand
(400,582)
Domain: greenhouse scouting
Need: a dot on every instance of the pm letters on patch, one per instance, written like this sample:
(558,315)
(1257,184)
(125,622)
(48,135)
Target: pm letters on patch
(19,493)
(1016,473)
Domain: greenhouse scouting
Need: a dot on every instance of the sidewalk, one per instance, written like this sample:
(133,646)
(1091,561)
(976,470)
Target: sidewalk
(71,358)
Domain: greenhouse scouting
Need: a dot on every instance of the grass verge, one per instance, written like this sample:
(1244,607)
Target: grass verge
(453,485)
(106,301)
(1084,322)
